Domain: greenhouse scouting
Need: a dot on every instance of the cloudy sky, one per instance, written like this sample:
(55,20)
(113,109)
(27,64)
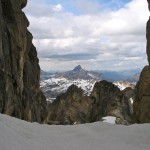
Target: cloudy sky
(97,34)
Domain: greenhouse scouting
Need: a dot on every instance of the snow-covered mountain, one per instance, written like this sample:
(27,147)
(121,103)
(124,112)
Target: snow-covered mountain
(54,84)
(59,82)
(79,73)
(21,135)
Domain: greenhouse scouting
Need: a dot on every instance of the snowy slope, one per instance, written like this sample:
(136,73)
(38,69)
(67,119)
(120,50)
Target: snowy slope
(62,84)
(20,135)
(54,86)
(124,84)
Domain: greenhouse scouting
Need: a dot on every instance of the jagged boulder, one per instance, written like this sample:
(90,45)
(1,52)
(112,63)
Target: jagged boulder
(73,107)
(20,95)
(110,101)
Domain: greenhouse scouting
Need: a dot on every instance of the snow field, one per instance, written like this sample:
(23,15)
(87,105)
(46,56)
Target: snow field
(20,135)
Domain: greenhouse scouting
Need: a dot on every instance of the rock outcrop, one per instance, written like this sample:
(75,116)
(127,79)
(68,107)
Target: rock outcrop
(73,107)
(142,98)
(148,4)
(148,40)
(110,101)
(20,95)
(23,3)
(129,93)
(141,105)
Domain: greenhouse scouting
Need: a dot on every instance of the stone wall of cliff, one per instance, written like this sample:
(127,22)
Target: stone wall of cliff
(20,95)
(73,107)
(142,91)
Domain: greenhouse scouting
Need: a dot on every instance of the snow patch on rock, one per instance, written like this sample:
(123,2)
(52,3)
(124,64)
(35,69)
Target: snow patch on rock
(109,119)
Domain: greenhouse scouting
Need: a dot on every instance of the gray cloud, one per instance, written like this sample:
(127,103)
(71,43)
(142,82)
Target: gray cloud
(76,56)
(95,39)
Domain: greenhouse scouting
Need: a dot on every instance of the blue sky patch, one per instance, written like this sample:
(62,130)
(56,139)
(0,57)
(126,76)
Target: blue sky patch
(72,7)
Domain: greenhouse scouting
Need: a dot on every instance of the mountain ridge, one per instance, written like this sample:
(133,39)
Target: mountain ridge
(55,84)
(106,99)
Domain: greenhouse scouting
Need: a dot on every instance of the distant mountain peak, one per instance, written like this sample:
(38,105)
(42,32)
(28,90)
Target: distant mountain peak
(77,68)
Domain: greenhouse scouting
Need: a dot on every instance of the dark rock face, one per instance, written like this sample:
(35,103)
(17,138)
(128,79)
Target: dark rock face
(148,4)
(23,3)
(142,98)
(73,107)
(141,105)
(70,108)
(129,93)
(148,40)
(110,101)
(20,95)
